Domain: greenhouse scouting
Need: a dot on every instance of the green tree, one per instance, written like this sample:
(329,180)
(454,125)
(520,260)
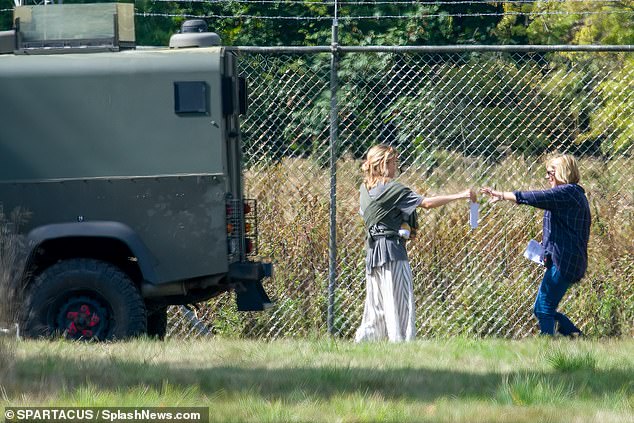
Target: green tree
(309,22)
(567,22)
(613,123)
(6,14)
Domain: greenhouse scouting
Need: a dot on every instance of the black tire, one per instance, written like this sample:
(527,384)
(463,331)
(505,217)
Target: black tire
(156,321)
(84,299)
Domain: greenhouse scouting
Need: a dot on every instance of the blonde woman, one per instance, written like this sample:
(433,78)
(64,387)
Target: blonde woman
(389,310)
(566,230)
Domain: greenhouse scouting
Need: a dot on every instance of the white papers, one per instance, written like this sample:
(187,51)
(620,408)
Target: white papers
(534,251)
(473,214)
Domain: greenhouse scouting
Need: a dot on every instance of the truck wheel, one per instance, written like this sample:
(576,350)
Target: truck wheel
(84,299)
(157,321)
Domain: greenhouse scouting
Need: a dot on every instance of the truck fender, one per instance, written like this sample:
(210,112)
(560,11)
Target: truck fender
(98,229)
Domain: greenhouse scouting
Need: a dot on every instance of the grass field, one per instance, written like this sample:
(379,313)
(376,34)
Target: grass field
(454,380)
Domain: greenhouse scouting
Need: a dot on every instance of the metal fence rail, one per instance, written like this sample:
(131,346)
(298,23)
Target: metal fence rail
(461,117)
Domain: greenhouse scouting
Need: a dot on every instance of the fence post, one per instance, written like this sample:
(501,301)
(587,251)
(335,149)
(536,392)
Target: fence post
(332,249)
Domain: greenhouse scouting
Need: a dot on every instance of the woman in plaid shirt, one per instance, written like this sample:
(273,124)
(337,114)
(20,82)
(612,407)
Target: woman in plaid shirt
(565,236)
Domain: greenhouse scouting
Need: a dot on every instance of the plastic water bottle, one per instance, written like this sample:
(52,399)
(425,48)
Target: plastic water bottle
(404,231)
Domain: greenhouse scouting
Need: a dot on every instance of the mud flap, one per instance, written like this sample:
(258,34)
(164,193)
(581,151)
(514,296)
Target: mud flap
(251,296)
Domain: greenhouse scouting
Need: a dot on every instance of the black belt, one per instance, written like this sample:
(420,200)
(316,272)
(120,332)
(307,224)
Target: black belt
(375,232)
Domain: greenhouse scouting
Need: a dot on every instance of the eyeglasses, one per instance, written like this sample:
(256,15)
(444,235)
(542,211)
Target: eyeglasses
(550,173)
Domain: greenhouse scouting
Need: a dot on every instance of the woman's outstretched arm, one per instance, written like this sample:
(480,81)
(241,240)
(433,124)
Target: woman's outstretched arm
(441,200)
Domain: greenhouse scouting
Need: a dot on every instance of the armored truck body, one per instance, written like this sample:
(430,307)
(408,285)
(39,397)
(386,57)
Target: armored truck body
(127,166)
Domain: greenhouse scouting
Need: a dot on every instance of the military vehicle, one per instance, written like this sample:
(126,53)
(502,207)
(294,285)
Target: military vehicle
(127,164)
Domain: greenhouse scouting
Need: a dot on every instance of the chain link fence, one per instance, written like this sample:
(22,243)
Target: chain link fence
(460,117)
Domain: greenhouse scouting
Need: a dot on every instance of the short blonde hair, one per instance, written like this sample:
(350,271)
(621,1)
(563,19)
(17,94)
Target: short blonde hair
(566,168)
(375,166)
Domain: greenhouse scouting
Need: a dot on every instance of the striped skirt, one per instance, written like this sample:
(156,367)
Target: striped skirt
(389,311)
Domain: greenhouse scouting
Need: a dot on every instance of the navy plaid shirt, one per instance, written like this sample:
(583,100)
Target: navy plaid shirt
(566,226)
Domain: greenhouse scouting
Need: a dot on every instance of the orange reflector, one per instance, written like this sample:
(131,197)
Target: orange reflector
(229,228)
(247,227)
(247,208)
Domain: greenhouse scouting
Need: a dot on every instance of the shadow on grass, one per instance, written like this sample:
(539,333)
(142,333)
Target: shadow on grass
(52,374)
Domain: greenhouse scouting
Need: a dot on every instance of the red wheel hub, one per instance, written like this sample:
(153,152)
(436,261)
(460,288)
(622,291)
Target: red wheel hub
(81,322)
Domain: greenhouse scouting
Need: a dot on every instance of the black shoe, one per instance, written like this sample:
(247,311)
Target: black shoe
(572,335)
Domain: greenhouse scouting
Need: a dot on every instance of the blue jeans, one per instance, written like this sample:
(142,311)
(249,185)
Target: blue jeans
(551,291)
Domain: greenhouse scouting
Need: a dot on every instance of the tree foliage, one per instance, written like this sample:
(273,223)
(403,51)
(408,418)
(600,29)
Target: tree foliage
(369,23)
(591,123)
(567,22)
(309,22)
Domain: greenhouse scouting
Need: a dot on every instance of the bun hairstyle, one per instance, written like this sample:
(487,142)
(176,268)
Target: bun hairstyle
(566,169)
(375,166)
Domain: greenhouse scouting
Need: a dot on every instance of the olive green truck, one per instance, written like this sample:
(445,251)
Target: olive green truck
(127,165)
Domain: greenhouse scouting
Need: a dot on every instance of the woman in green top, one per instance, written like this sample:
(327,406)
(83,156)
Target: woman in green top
(389,310)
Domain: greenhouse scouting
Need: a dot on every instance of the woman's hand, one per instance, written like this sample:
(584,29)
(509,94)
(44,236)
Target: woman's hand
(494,195)
(470,193)
(473,195)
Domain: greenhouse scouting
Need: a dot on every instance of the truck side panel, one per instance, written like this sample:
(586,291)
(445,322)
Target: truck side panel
(97,137)
(110,114)
(179,218)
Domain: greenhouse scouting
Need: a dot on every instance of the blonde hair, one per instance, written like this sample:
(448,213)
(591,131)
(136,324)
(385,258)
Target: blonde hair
(375,166)
(566,168)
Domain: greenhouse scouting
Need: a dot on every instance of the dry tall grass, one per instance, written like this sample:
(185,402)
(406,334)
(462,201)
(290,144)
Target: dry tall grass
(11,261)
(466,282)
